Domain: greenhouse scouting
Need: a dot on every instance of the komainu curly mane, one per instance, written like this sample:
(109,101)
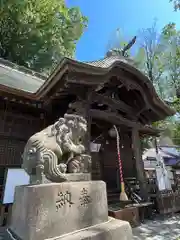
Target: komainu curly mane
(43,153)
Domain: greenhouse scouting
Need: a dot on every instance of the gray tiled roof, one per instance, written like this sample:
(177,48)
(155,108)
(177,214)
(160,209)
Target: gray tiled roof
(11,76)
(108,61)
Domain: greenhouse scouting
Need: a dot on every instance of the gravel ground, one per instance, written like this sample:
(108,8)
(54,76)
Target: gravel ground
(160,229)
(2,230)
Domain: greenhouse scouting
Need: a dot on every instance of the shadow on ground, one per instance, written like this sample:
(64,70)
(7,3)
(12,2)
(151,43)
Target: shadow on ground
(160,229)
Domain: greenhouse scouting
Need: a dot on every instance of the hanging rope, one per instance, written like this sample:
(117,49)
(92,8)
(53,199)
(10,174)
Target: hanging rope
(119,160)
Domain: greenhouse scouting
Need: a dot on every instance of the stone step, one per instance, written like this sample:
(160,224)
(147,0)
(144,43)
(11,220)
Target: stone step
(113,229)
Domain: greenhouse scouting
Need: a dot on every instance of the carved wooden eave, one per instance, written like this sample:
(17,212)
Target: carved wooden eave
(76,77)
(19,97)
(96,75)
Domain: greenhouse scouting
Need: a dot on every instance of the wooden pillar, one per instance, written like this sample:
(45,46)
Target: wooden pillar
(89,121)
(156,145)
(139,163)
(88,134)
(87,139)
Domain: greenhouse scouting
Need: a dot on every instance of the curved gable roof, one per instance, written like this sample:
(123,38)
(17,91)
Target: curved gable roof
(103,67)
(35,86)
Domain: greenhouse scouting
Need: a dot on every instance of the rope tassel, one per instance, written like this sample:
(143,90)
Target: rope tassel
(123,195)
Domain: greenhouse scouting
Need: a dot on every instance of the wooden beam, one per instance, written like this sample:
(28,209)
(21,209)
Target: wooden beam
(149,98)
(113,118)
(139,162)
(113,104)
(86,80)
(89,122)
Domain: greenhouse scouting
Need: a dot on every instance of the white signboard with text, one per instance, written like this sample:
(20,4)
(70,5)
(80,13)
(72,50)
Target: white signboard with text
(15,177)
(95,147)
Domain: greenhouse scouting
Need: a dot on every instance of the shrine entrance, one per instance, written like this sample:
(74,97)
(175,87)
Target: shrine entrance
(105,160)
(109,167)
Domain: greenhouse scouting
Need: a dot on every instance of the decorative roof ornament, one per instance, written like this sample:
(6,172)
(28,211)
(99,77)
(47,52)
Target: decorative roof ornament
(121,51)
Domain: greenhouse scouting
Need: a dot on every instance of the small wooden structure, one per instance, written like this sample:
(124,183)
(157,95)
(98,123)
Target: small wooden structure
(108,91)
(167,200)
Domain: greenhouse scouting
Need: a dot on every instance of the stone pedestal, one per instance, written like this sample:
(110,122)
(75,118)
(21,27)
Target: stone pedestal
(71,177)
(70,210)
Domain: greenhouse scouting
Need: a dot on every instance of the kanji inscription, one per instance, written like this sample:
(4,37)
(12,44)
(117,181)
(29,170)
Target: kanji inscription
(63,199)
(85,199)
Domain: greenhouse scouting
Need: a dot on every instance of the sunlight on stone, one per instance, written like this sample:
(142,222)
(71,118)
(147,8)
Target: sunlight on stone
(145,230)
(170,222)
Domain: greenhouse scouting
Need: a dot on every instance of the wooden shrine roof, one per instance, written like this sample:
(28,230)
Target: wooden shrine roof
(26,84)
(14,76)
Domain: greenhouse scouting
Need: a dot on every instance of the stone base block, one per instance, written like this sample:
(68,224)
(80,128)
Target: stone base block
(51,210)
(78,177)
(113,229)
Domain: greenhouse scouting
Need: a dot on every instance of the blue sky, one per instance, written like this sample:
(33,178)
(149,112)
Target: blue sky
(105,16)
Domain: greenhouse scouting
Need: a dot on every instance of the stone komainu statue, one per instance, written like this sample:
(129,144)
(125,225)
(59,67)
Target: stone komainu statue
(57,150)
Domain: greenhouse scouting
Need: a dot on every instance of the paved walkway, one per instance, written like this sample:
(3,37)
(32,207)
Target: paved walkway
(161,229)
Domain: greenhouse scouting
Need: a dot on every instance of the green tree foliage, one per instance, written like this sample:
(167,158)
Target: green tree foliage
(176,134)
(36,34)
(160,59)
(152,56)
(171,36)
(170,78)
(158,56)
(176,4)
